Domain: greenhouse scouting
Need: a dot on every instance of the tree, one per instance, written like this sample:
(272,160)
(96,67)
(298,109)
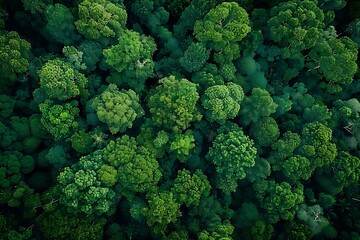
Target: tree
(121,56)
(255,76)
(313,217)
(132,57)
(7,104)
(297,231)
(20,196)
(92,53)
(194,57)
(59,120)
(227,70)
(300,97)
(223,232)
(173,104)
(154,17)
(297,167)
(252,107)
(232,152)
(317,113)
(195,11)
(210,212)
(74,57)
(161,211)
(261,170)
(62,225)
(21,126)
(21,234)
(259,231)
(189,188)
(347,169)
(179,119)
(60,81)
(82,141)
(57,156)
(326,201)
(137,168)
(100,20)
(222,102)
(83,190)
(181,145)
(335,58)
(36,6)
(226,23)
(7,136)
(15,54)
(176,236)
(280,200)
(36,128)
(10,169)
(60,24)
(354,29)
(207,77)
(118,109)
(264,132)
(108,175)
(316,145)
(157,141)
(296,25)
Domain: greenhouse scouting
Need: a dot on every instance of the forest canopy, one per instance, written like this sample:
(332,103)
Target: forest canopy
(179,119)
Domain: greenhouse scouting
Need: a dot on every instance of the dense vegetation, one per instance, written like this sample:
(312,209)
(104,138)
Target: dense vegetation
(179,119)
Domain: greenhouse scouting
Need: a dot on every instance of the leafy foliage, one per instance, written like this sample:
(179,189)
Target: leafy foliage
(59,120)
(15,54)
(61,225)
(60,24)
(137,168)
(83,190)
(232,153)
(179,119)
(194,57)
(252,106)
(330,56)
(100,19)
(227,22)
(132,56)
(189,188)
(60,81)
(162,210)
(296,24)
(222,102)
(118,109)
(281,201)
(173,104)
